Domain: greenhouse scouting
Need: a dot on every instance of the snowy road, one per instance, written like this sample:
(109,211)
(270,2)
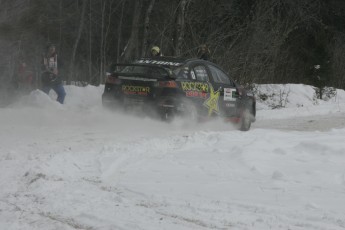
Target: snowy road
(81,167)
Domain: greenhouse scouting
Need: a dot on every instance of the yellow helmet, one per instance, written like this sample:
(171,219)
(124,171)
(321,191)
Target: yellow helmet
(156,49)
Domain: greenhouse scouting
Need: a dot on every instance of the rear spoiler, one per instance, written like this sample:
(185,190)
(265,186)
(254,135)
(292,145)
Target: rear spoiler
(164,72)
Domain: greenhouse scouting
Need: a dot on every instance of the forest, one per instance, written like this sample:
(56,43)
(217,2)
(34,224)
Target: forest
(255,41)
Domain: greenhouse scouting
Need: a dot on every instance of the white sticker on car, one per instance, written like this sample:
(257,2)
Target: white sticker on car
(230,105)
(229,94)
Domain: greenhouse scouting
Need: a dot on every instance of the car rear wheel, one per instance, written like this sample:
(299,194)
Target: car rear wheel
(167,114)
(189,112)
(246,119)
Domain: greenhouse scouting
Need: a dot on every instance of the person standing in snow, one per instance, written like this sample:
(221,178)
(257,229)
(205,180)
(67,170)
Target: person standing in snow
(50,75)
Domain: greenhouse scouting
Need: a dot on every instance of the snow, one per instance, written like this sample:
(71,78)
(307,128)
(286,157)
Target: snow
(298,100)
(78,166)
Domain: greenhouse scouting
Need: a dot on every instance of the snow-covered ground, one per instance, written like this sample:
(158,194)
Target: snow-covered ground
(77,166)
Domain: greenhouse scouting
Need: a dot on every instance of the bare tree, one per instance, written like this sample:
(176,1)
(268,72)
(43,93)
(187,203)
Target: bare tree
(75,46)
(262,41)
(90,42)
(180,27)
(146,28)
(132,49)
(119,39)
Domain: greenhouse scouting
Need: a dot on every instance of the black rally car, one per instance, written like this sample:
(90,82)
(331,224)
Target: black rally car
(192,88)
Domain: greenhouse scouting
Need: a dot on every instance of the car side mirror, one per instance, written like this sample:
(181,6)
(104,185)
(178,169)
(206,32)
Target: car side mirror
(240,92)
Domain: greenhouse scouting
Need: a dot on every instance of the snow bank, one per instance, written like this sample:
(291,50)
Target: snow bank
(290,100)
(296,100)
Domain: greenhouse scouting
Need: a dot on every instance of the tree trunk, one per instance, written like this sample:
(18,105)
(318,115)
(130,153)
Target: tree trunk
(146,28)
(120,33)
(132,48)
(90,42)
(75,46)
(105,44)
(180,27)
(101,54)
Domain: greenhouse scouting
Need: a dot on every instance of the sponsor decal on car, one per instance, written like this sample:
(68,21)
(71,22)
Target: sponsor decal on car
(229,94)
(135,90)
(194,86)
(195,89)
(156,62)
(196,94)
(212,102)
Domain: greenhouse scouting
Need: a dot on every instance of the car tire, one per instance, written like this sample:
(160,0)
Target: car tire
(246,119)
(190,112)
(167,115)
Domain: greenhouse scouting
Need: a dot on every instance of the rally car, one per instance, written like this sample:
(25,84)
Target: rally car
(168,87)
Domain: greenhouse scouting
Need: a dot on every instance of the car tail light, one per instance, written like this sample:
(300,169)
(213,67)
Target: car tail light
(112,79)
(168,84)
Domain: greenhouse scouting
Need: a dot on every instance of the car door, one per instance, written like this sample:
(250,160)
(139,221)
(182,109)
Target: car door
(197,87)
(226,88)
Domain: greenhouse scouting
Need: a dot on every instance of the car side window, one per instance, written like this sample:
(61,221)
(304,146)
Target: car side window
(181,73)
(219,76)
(192,73)
(200,73)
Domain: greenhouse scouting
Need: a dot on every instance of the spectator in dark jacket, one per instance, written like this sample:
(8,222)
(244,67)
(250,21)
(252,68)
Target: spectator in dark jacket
(204,52)
(50,75)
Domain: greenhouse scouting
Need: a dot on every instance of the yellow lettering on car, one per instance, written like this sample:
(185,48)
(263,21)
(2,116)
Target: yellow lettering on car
(195,86)
(212,102)
(135,89)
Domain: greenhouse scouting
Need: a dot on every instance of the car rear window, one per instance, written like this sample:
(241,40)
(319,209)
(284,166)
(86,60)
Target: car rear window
(148,71)
(219,76)
(181,72)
